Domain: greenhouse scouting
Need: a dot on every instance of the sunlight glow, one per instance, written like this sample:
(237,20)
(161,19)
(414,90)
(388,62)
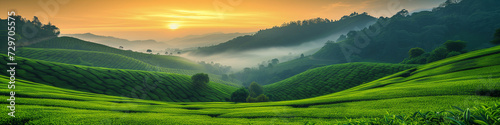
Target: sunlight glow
(173,26)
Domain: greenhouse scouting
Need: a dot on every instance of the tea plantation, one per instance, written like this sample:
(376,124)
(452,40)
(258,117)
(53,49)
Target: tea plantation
(156,60)
(103,59)
(471,80)
(118,82)
(330,79)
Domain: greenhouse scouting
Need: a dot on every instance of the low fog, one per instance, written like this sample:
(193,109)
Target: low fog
(251,58)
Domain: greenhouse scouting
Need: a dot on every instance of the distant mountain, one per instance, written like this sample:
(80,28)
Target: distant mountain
(390,39)
(471,21)
(137,45)
(204,40)
(290,34)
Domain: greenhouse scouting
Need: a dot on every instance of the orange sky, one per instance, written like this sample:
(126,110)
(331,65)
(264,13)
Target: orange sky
(146,19)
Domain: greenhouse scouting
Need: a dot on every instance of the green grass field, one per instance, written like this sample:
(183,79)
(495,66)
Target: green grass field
(119,82)
(330,79)
(463,81)
(156,60)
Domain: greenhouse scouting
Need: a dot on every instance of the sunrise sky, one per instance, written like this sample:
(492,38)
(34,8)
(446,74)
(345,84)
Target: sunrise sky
(167,19)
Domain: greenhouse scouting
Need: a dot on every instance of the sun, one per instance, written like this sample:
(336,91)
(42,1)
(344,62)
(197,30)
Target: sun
(173,26)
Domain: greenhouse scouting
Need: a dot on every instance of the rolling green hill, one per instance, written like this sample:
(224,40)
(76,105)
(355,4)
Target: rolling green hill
(156,60)
(464,81)
(118,82)
(330,79)
(102,59)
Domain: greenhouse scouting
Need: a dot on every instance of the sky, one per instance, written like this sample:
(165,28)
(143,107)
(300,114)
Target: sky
(162,20)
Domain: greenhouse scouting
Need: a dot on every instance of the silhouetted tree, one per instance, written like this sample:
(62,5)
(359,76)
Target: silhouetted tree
(255,89)
(275,61)
(437,54)
(496,37)
(452,53)
(302,55)
(454,45)
(200,79)
(239,95)
(414,52)
(262,98)
(149,51)
(269,65)
(121,47)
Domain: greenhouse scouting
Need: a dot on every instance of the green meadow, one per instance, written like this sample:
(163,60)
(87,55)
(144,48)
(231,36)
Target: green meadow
(466,81)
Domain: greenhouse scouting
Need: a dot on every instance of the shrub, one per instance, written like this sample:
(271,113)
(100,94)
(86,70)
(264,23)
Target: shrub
(422,59)
(453,53)
(200,79)
(239,95)
(255,89)
(496,37)
(437,54)
(415,52)
(262,98)
(455,45)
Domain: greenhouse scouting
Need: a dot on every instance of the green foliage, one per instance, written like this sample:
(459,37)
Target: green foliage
(422,59)
(437,54)
(484,114)
(239,95)
(260,98)
(453,53)
(415,52)
(455,45)
(200,79)
(27,31)
(450,49)
(255,89)
(390,38)
(496,37)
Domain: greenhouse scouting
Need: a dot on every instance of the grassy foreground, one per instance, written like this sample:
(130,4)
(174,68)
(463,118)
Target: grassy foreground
(463,81)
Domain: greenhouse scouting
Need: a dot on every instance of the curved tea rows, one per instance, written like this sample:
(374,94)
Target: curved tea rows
(330,79)
(119,82)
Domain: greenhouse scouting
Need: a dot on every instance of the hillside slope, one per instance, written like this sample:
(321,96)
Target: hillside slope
(156,60)
(137,45)
(102,59)
(390,38)
(129,83)
(290,34)
(463,81)
(330,79)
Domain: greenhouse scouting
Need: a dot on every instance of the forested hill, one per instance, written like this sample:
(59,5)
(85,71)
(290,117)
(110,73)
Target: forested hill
(389,40)
(290,34)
